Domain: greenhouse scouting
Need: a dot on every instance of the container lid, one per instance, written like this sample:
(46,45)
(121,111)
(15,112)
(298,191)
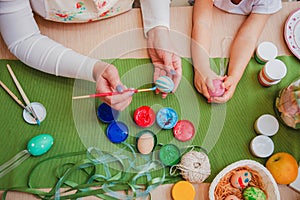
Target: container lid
(267,125)
(169,154)
(39,110)
(107,114)
(117,132)
(275,69)
(144,116)
(184,130)
(262,146)
(183,190)
(266,51)
(166,118)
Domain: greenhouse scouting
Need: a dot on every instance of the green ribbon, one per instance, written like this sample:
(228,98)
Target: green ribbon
(14,162)
(106,185)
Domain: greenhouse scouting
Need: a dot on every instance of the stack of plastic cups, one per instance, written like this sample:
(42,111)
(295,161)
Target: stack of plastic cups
(273,70)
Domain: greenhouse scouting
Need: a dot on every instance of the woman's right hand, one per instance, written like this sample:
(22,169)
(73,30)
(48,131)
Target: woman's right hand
(108,80)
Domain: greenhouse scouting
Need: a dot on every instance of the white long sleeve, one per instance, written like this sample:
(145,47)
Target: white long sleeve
(23,38)
(155,13)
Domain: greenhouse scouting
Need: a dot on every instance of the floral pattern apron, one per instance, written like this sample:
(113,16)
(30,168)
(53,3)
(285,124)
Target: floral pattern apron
(76,11)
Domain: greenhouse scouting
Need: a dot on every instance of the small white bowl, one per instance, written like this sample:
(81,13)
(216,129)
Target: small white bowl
(262,146)
(267,125)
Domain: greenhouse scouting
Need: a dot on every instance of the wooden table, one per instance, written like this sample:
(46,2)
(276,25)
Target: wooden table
(105,39)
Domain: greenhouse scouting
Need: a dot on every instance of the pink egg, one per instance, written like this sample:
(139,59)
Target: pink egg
(219,90)
(240,179)
(232,197)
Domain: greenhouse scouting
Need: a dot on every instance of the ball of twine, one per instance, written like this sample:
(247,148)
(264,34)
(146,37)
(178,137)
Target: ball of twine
(194,166)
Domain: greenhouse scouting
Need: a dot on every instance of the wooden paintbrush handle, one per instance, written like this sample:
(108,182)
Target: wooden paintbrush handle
(12,94)
(25,98)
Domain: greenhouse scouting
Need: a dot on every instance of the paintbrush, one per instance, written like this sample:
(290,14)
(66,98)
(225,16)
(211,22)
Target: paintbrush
(25,98)
(113,93)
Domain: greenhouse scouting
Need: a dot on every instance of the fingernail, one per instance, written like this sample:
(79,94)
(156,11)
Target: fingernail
(131,93)
(172,71)
(119,88)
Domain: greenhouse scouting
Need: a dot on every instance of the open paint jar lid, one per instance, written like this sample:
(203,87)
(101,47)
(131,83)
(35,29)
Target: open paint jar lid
(183,190)
(166,118)
(184,130)
(117,132)
(39,110)
(169,154)
(144,116)
(106,114)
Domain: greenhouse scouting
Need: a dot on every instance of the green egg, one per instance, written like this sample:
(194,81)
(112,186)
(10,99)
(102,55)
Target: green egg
(254,193)
(40,144)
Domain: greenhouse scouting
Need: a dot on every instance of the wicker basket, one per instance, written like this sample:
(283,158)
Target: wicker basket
(271,187)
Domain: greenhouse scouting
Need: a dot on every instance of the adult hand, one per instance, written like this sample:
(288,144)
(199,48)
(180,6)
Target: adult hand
(161,51)
(108,80)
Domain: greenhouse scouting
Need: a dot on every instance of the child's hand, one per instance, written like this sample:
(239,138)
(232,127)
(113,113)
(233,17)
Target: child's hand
(108,80)
(163,57)
(230,84)
(204,82)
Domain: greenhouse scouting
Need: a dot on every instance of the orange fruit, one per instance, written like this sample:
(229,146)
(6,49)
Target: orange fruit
(283,167)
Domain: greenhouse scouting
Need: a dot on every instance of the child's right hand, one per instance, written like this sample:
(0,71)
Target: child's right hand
(204,82)
(108,80)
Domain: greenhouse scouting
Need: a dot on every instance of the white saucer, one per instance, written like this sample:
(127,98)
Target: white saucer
(39,110)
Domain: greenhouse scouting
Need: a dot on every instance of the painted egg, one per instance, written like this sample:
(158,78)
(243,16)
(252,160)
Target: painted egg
(240,179)
(254,193)
(145,141)
(232,197)
(40,144)
(164,84)
(219,90)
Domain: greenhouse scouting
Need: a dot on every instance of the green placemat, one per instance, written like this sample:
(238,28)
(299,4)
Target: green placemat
(225,131)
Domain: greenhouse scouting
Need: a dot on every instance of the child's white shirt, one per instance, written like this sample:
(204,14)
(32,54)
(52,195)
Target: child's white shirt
(245,7)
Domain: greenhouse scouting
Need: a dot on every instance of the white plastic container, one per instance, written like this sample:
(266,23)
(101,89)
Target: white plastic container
(267,125)
(265,51)
(272,72)
(262,146)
